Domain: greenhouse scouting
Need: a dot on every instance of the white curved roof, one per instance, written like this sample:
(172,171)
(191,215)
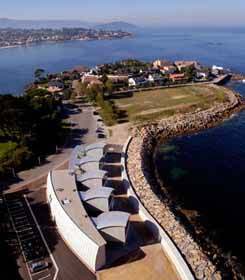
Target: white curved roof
(87,159)
(100,192)
(74,157)
(79,152)
(97,174)
(63,186)
(99,145)
(111,219)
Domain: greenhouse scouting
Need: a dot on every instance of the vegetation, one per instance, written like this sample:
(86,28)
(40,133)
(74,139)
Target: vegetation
(30,127)
(107,108)
(132,66)
(157,104)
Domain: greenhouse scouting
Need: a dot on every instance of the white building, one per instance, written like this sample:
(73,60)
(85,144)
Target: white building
(216,70)
(72,220)
(137,81)
(73,194)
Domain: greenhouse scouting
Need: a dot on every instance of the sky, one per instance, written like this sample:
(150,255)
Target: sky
(143,12)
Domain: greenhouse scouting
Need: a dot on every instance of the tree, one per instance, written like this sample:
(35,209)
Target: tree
(33,121)
(14,122)
(109,86)
(39,73)
(104,79)
(37,92)
(190,73)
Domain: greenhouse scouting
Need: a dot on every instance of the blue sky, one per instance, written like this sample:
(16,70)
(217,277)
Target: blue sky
(164,12)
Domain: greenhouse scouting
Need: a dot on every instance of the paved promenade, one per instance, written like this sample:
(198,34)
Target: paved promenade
(148,263)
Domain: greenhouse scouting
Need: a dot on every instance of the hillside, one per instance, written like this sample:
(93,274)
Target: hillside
(37,24)
(117,25)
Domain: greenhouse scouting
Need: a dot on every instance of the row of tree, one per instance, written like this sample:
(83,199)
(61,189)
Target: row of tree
(33,122)
(99,96)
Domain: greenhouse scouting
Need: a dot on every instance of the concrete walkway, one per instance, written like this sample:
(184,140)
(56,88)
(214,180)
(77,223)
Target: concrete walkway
(147,264)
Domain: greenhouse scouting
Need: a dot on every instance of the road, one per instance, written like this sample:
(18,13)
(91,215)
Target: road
(70,267)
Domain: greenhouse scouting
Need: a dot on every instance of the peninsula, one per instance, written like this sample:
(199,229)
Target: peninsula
(10,37)
(151,102)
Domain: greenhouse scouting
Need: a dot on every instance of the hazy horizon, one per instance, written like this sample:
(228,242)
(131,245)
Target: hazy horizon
(143,13)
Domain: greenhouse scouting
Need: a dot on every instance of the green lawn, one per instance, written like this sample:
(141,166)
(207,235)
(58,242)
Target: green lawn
(156,104)
(6,147)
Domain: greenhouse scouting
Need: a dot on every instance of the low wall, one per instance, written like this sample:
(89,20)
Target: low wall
(85,248)
(167,245)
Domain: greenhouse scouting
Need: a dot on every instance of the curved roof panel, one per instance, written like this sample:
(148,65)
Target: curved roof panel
(74,157)
(87,159)
(100,192)
(98,174)
(63,186)
(111,219)
(99,145)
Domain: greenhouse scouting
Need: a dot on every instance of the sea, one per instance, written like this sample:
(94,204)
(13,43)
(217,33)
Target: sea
(207,169)
(220,46)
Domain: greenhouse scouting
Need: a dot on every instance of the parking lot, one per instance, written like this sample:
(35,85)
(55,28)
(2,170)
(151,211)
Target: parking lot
(31,243)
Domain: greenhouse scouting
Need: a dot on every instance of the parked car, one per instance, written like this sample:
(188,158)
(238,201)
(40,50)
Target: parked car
(101,135)
(99,130)
(38,266)
(95,113)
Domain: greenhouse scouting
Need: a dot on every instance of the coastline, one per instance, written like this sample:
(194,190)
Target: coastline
(155,197)
(64,41)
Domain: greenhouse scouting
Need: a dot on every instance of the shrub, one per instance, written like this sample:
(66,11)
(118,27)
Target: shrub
(15,157)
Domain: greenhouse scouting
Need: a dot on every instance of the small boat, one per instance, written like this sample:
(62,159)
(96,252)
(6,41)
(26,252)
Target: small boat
(243,81)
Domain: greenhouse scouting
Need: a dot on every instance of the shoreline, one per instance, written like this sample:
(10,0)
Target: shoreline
(156,198)
(64,41)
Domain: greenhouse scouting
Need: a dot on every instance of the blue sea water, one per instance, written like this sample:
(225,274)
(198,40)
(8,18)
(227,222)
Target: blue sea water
(207,172)
(206,169)
(209,46)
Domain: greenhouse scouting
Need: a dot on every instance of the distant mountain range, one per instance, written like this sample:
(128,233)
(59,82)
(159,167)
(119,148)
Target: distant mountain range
(117,25)
(58,24)
(36,24)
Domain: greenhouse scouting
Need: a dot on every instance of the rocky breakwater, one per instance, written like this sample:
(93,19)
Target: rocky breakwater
(142,175)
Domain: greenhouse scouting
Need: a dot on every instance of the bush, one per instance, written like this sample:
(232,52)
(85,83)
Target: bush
(16,157)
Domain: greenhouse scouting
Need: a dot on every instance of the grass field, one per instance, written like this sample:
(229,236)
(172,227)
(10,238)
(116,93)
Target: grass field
(156,104)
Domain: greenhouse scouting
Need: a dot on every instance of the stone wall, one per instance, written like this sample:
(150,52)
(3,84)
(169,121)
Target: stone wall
(141,173)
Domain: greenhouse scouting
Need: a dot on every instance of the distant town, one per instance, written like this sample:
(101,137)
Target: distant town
(10,37)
